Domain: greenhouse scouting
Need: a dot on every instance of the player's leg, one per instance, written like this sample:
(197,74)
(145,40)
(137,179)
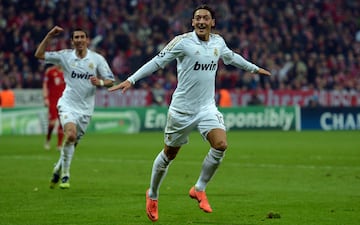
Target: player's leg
(67,153)
(218,143)
(158,173)
(159,169)
(177,130)
(176,134)
(75,126)
(56,172)
(57,169)
(213,129)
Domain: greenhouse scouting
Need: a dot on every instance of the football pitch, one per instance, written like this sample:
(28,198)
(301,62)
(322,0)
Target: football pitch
(308,178)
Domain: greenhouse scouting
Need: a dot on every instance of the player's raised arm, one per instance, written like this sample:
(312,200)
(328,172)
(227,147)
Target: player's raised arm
(40,51)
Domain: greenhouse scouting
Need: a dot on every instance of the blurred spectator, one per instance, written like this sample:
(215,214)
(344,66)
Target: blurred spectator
(119,64)
(305,43)
(313,102)
(224,98)
(170,81)
(7,97)
(158,94)
(255,100)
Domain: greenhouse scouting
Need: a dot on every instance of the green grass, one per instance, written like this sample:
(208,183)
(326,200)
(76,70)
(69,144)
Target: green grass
(309,178)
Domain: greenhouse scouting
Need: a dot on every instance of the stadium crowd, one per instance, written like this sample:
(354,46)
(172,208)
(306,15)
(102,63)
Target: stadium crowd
(307,44)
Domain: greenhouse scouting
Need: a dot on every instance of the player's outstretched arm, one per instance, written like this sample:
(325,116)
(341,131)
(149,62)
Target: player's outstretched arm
(122,86)
(263,72)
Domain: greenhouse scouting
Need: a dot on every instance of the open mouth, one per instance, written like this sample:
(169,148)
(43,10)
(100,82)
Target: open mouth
(79,45)
(201,28)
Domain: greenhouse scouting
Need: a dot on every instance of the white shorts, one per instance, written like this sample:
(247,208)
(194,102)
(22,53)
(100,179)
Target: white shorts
(81,121)
(179,125)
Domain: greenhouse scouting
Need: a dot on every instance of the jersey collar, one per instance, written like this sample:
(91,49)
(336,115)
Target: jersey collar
(76,57)
(197,40)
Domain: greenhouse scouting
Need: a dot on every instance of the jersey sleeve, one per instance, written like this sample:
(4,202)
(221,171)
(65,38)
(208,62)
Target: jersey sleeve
(230,57)
(172,50)
(104,69)
(53,57)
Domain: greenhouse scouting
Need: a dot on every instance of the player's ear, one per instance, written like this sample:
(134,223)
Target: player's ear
(213,23)
(192,23)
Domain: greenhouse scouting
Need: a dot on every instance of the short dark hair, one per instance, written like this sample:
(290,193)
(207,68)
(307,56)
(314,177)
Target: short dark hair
(78,29)
(206,7)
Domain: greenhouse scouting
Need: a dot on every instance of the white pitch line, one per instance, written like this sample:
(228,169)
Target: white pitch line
(149,161)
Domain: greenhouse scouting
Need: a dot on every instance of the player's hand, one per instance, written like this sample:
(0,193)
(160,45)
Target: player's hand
(94,81)
(123,86)
(264,72)
(55,31)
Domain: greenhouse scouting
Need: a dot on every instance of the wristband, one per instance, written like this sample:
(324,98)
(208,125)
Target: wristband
(131,81)
(101,83)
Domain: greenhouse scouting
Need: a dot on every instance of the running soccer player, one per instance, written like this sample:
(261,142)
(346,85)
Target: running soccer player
(84,70)
(53,87)
(193,103)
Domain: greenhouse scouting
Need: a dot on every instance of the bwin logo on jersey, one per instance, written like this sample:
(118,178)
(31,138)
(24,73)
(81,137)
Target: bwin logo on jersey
(81,75)
(209,66)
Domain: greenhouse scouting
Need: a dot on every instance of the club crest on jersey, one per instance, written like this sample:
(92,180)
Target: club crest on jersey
(91,66)
(205,66)
(216,53)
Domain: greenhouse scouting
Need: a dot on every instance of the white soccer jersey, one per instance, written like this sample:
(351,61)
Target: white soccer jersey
(197,63)
(79,93)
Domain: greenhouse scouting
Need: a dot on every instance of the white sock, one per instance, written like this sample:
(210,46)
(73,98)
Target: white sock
(159,171)
(67,154)
(210,164)
(57,167)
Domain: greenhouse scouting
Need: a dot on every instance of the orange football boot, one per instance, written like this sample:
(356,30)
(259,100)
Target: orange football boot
(200,196)
(151,208)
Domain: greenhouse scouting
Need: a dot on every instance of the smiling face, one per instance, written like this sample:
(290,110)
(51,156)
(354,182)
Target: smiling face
(79,40)
(202,23)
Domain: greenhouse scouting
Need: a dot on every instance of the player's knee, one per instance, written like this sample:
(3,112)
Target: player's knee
(171,155)
(71,137)
(171,152)
(220,145)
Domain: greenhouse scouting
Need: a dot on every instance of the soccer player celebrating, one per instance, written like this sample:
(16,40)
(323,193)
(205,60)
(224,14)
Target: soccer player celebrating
(53,87)
(84,70)
(193,103)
